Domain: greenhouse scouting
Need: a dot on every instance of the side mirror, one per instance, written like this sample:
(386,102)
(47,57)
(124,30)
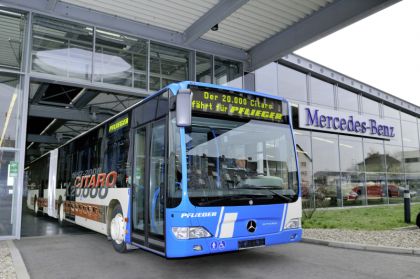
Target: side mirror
(183,108)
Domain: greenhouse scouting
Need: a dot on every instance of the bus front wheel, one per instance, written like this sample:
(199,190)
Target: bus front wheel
(418,220)
(117,230)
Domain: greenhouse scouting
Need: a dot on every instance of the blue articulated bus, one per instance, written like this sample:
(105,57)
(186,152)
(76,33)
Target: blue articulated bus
(193,169)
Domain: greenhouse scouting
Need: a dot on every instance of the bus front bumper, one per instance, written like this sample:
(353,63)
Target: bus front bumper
(176,248)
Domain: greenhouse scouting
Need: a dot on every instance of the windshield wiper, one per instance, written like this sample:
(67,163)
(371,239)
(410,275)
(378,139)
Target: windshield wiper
(228,198)
(283,197)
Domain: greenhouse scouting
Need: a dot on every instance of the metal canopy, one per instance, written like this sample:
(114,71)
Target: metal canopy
(256,32)
(57,113)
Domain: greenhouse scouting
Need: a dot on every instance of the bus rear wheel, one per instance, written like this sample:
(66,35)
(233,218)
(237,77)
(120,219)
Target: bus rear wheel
(117,230)
(418,220)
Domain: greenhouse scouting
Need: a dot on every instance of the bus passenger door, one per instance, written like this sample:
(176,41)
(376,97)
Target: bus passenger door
(149,185)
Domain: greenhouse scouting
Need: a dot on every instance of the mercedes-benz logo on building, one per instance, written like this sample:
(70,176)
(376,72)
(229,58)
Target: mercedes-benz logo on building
(251,226)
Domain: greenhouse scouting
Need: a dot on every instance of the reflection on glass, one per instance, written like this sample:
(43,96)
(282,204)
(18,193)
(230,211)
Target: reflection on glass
(353,188)
(411,160)
(292,84)
(351,154)
(391,112)
(139,179)
(374,156)
(327,188)
(303,148)
(326,169)
(322,92)
(376,190)
(369,106)
(120,59)
(8,184)
(62,48)
(230,160)
(409,134)
(157,178)
(396,186)
(413,181)
(174,165)
(203,68)
(12,25)
(167,65)
(227,72)
(408,117)
(347,100)
(9,93)
(394,160)
(266,79)
(325,152)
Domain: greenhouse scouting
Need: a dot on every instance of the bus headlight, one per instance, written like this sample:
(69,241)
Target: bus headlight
(190,232)
(293,224)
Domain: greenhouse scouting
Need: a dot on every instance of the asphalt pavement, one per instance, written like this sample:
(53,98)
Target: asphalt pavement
(92,256)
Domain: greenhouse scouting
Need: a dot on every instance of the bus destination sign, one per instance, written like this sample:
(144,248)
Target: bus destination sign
(236,105)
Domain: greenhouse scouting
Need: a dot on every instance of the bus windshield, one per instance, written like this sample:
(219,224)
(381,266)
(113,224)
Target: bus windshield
(240,162)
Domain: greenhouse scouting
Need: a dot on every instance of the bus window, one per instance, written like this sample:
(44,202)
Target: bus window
(139,179)
(174,166)
(157,177)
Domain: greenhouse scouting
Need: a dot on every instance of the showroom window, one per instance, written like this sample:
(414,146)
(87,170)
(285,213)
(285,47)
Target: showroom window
(370,107)
(347,100)
(120,59)
(304,152)
(266,79)
(12,25)
(326,169)
(291,84)
(227,72)
(167,65)
(322,93)
(62,48)
(203,68)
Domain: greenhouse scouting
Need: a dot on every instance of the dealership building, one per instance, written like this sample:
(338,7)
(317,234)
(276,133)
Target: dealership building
(66,66)
(357,145)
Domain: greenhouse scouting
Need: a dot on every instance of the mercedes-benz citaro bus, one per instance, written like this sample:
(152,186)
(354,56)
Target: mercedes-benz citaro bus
(194,169)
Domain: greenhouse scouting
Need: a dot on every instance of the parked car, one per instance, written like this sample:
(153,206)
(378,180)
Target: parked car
(377,191)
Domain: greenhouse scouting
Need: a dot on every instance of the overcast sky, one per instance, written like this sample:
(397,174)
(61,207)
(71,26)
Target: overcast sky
(382,50)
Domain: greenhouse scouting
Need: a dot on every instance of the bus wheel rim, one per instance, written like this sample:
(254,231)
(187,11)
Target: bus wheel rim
(117,228)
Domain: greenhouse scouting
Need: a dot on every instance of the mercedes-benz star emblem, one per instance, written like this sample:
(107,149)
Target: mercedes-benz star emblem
(251,226)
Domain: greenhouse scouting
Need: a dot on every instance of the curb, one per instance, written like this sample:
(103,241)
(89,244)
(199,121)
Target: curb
(19,265)
(363,247)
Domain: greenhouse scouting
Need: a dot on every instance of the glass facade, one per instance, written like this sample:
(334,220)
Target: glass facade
(92,54)
(167,65)
(344,170)
(62,48)
(120,59)
(13,25)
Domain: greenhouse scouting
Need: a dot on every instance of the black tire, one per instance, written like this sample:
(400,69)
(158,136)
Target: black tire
(418,220)
(119,247)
